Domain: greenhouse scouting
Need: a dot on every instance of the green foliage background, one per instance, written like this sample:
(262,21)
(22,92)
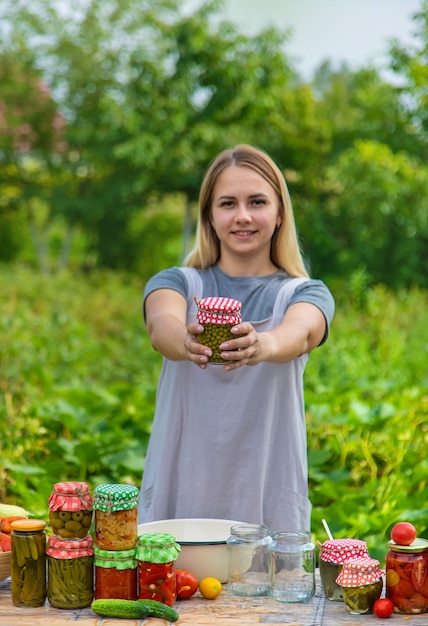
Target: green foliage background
(78,380)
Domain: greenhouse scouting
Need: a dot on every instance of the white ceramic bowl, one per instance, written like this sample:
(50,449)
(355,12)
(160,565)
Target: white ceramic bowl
(203,544)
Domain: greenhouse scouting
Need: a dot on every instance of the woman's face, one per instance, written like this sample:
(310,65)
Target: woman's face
(245,212)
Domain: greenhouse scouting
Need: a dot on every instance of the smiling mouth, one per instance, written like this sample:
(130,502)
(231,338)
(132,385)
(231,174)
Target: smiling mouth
(243,233)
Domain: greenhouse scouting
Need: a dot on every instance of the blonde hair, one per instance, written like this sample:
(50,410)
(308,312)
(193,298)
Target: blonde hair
(285,249)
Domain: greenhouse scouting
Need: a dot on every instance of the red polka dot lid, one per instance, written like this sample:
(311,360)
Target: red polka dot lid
(359,572)
(341,550)
(219,310)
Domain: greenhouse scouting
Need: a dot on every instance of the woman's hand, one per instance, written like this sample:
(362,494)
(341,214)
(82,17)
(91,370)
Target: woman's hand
(196,352)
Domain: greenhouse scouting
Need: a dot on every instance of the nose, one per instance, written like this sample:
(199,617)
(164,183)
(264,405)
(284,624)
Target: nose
(242,213)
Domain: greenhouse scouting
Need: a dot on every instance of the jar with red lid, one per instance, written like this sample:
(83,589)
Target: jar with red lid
(116,523)
(28,569)
(407,576)
(156,556)
(70,510)
(361,581)
(333,554)
(217,315)
(70,573)
(115,574)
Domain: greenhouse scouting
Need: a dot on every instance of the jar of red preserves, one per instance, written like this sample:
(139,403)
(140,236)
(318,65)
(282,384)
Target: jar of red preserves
(70,510)
(407,576)
(115,574)
(333,554)
(116,524)
(156,555)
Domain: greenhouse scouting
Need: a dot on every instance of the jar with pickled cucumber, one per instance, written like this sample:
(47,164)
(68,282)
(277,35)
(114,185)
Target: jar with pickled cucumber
(333,554)
(361,581)
(116,523)
(28,571)
(70,573)
(70,510)
(217,315)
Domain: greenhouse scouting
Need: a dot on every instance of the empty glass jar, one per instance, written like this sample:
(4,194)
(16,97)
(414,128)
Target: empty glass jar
(248,559)
(292,566)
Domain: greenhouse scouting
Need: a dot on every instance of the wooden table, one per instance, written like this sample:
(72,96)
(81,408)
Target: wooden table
(226,610)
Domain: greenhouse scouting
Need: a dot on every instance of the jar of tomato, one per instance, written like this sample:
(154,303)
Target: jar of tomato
(116,524)
(361,581)
(217,315)
(70,510)
(156,555)
(407,576)
(70,573)
(333,554)
(115,574)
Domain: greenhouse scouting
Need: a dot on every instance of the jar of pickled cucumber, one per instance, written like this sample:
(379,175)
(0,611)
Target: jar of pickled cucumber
(156,556)
(115,574)
(333,554)
(407,576)
(70,510)
(116,523)
(361,581)
(28,571)
(217,315)
(70,573)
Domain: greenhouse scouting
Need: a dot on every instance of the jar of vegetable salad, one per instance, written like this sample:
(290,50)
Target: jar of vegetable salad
(115,574)
(116,524)
(156,555)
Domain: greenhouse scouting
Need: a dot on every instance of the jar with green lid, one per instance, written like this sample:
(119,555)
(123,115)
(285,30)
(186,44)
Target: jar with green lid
(70,510)
(70,573)
(116,523)
(115,574)
(407,576)
(156,555)
(333,554)
(28,571)
(217,315)
(361,581)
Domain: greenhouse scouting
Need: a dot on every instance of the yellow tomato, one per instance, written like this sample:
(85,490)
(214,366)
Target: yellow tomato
(392,578)
(210,588)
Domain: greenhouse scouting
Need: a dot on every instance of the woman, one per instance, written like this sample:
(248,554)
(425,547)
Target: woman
(229,441)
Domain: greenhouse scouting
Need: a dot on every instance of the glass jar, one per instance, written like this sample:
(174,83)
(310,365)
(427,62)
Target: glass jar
(407,576)
(292,566)
(116,524)
(249,559)
(217,315)
(333,553)
(156,556)
(28,569)
(361,581)
(115,574)
(70,510)
(70,573)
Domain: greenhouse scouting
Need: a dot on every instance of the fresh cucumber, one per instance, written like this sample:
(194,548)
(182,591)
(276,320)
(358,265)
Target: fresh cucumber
(134,609)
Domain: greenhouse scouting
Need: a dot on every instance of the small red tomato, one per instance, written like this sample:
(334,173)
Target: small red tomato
(403,533)
(187,584)
(383,607)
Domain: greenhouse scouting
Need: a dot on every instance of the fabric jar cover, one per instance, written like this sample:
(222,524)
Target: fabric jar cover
(218,310)
(157,548)
(59,549)
(359,572)
(115,497)
(70,496)
(341,550)
(118,559)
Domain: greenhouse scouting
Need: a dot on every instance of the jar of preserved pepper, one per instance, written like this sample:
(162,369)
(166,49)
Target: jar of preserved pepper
(407,576)
(115,574)
(70,510)
(116,524)
(217,315)
(156,555)
(28,571)
(70,573)
(333,554)
(361,581)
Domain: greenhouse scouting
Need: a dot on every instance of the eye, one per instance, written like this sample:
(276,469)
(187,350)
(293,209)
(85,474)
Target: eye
(226,204)
(259,202)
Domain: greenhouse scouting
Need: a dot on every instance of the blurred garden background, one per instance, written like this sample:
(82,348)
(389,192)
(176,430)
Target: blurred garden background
(110,112)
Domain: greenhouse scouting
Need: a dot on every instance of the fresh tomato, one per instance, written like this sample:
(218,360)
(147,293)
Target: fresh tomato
(383,607)
(403,533)
(187,584)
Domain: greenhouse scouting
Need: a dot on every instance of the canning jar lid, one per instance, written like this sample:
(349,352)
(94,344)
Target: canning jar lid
(419,545)
(28,525)
(341,550)
(157,548)
(219,310)
(115,497)
(60,549)
(358,572)
(70,496)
